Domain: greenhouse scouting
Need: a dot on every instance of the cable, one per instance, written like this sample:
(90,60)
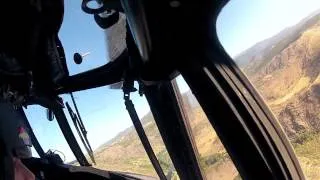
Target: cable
(128,87)
(81,132)
(52,156)
(64,157)
(78,114)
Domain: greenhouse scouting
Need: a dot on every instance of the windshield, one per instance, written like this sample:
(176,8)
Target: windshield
(276,44)
(115,143)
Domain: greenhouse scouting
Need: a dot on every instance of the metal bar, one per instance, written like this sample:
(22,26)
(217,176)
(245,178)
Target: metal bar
(224,117)
(144,139)
(107,74)
(185,118)
(168,117)
(33,138)
(69,136)
(82,127)
(84,142)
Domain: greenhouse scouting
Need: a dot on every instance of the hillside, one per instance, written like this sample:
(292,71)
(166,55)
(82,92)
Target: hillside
(253,59)
(125,152)
(289,81)
(285,69)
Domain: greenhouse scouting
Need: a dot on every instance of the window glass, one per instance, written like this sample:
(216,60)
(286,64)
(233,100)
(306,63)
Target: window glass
(277,45)
(212,156)
(34,152)
(47,132)
(115,141)
(158,146)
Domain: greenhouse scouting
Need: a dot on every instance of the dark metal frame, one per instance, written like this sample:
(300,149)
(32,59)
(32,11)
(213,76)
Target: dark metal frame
(169,119)
(252,138)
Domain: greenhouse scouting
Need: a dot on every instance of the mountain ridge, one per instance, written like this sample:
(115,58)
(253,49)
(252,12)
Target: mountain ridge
(288,79)
(264,50)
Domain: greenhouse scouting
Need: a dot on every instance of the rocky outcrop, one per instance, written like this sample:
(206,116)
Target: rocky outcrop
(302,113)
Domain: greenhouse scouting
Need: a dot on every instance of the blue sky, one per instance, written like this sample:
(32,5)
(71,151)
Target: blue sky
(241,24)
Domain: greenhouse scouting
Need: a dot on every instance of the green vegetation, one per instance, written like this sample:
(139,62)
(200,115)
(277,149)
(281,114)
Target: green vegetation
(307,148)
(238,177)
(308,145)
(303,137)
(164,160)
(214,159)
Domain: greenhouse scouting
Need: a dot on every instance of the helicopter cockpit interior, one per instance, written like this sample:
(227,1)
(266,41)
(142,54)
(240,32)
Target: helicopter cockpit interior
(149,44)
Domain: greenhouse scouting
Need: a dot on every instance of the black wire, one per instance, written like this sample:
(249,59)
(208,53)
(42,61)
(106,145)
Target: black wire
(55,150)
(78,114)
(141,133)
(83,137)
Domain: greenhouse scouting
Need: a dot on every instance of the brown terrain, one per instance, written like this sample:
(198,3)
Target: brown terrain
(289,81)
(285,69)
(125,152)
